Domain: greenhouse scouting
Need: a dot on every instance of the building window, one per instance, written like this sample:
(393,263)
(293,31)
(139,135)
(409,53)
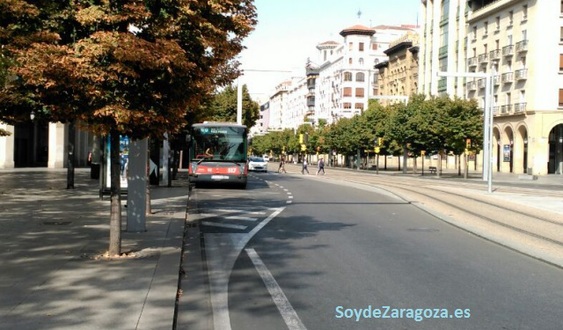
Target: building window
(360,76)
(361,61)
(350,46)
(374,46)
(347,76)
(561,97)
(347,91)
(497,25)
(359,106)
(510,18)
(347,105)
(486,29)
(561,35)
(350,61)
(560,62)
(524,12)
(474,32)
(361,46)
(359,92)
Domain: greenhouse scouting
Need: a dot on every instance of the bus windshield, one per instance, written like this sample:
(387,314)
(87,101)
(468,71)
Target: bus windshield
(219,143)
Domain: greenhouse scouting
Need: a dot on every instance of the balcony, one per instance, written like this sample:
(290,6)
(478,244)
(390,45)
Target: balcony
(519,107)
(471,85)
(505,109)
(522,46)
(494,55)
(496,110)
(481,83)
(521,74)
(443,51)
(483,58)
(442,83)
(507,78)
(508,50)
(472,61)
(496,80)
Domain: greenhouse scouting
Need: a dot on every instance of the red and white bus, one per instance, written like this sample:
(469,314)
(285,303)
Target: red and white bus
(218,154)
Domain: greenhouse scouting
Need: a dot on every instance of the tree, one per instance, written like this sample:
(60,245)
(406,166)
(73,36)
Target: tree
(135,68)
(223,106)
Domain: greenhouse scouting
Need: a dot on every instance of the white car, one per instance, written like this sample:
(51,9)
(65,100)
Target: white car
(258,164)
(266,158)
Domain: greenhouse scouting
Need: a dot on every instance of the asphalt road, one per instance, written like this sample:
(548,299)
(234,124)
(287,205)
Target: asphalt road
(304,253)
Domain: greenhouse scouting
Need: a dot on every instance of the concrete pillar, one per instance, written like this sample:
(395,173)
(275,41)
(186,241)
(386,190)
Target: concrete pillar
(57,145)
(137,185)
(539,148)
(7,147)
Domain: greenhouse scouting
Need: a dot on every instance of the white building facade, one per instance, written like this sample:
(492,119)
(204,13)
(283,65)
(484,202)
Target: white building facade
(517,42)
(347,78)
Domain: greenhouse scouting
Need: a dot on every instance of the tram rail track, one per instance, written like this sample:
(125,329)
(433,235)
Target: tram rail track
(534,232)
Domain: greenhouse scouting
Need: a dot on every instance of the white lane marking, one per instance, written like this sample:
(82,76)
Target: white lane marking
(289,202)
(239,211)
(290,196)
(206,215)
(289,315)
(236,217)
(221,257)
(223,225)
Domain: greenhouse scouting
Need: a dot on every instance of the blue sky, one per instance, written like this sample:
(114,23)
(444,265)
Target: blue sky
(289,30)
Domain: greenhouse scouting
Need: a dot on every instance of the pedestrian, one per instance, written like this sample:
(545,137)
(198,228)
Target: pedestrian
(304,168)
(321,166)
(282,165)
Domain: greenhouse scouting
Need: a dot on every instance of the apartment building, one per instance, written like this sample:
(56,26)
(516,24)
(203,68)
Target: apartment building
(517,43)
(398,76)
(345,78)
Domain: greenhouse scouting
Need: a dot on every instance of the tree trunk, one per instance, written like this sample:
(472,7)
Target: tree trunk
(115,197)
(70,156)
(175,164)
(405,159)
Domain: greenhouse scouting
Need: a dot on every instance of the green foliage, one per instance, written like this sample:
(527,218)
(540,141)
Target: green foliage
(434,124)
(223,107)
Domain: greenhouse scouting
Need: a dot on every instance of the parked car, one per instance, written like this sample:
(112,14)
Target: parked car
(258,164)
(266,158)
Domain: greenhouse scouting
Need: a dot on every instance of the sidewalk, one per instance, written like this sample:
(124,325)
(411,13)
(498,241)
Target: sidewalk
(51,240)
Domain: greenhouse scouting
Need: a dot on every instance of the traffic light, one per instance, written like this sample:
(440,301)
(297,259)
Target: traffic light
(300,138)
(379,141)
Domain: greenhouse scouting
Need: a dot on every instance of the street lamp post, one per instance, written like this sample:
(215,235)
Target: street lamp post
(488,121)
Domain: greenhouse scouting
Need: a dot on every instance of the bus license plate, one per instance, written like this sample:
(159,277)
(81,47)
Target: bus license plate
(219,177)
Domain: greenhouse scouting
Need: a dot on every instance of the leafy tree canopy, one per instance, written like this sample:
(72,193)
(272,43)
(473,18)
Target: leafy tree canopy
(138,68)
(223,107)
